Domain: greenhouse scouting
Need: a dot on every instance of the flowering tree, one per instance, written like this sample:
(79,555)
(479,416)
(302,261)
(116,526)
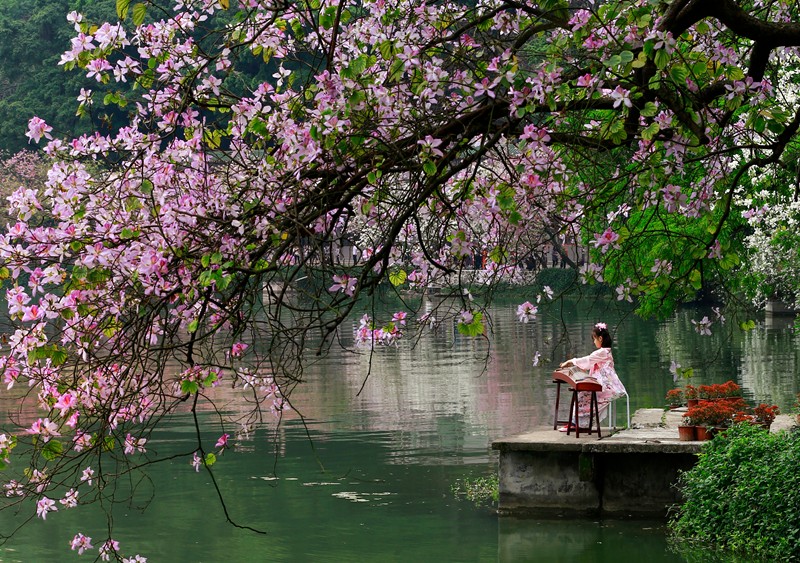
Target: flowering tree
(263,136)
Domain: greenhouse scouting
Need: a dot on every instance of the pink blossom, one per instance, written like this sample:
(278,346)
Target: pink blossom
(222,442)
(238,349)
(196,461)
(703,326)
(399,318)
(109,546)
(87,475)
(526,312)
(621,97)
(606,240)
(44,428)
(66,402)
(37,128)
(70,499)
(344,283)
(133,445)
(45,505)
(81,543)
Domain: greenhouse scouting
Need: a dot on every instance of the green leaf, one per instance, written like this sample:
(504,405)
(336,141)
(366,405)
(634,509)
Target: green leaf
(192,328)
(210,379)
(775,127)
(679,74)
(210,459)
(122,8)
(747,325)
(128,234)
(139,12)
(429,167)
(52,450)
(205,261)
(695,279)
(650,131)
(649,109)
(398,277)
(475,328)
(386,49)
(661,58)
(189,387)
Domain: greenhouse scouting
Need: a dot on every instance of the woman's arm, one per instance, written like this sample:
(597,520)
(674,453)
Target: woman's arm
(585,362)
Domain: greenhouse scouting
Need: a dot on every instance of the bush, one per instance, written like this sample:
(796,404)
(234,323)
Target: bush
(743,495)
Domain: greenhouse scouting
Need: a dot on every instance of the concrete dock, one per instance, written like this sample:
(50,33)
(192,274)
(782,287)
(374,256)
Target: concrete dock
(630,472)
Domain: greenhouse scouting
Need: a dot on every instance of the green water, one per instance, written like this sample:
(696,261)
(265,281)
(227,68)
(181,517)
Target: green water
(368,476)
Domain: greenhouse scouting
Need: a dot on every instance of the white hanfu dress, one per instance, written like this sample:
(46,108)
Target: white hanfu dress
(600,365)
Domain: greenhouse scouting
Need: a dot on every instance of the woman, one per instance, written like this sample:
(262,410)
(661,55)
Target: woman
(600,365)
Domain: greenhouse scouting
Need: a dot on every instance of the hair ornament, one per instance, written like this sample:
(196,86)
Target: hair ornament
(600,326)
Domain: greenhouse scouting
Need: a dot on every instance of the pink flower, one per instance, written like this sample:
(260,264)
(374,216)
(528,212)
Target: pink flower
(44,428)
(70,499)
(344,283)
(81,543)
(526,312)
(238,349)
(399,318)
(108,547)
(196,462)
(621,97)
(223,441)
(605,240)
(37,128)
(88,475)
(45,505)
(65,402)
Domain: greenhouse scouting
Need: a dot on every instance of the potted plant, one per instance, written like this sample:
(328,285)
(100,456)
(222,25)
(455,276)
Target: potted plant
(765,414)
(710,416)
(690,393)
(729,390)
(674,398)
(707,392)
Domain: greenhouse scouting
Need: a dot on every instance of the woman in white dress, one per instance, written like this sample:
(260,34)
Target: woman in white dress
(600,365)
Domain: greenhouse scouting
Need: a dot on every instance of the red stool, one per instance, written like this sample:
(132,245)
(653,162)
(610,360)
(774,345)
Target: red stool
(590,386)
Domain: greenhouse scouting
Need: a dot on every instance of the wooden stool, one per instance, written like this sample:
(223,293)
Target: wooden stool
(590,386)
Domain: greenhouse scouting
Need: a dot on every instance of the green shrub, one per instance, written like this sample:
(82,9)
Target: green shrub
(743,496)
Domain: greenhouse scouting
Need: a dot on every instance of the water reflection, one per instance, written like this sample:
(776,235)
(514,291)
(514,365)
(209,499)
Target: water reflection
(366,475)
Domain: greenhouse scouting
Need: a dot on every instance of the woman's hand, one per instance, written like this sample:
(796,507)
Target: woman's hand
(566,364)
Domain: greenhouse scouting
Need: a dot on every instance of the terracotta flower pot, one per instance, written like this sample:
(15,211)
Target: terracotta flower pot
(692,402)
(703,433)
(687,433)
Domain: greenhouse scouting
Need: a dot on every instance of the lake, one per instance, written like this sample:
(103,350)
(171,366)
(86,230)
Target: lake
(367,473)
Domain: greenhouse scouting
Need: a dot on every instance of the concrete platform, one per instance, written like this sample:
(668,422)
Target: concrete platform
(628,472)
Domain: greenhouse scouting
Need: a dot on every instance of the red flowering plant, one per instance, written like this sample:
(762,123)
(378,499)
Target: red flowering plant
(690,392)
(674,397)
(729,389)
(765,414)
(712,414)
(706,392)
